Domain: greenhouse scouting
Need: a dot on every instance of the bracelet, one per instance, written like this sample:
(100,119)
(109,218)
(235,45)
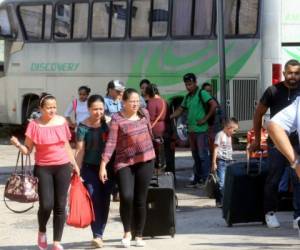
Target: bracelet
(296,162)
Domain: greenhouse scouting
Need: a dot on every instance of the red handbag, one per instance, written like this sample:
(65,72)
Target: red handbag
(81,211)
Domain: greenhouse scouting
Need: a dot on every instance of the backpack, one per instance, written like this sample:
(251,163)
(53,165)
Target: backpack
(217,117)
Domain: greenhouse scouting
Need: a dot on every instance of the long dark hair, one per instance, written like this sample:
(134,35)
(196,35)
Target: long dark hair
(96,98)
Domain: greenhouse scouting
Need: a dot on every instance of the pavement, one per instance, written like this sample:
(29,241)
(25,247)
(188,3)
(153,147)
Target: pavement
(199,225)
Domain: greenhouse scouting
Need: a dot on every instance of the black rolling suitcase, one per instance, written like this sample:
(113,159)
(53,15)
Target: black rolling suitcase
(161,206)
(243,192)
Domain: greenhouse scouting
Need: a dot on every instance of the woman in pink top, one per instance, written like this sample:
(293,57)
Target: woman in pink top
(130,136)
(50,136)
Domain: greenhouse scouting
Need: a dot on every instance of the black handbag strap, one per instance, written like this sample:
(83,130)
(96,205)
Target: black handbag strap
(23,170)
(16,211)
(26,166)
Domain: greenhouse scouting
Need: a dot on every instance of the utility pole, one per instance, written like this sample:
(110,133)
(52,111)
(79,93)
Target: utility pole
(221,52)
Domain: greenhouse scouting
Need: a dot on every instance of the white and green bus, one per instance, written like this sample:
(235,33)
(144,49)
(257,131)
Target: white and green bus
(56,46)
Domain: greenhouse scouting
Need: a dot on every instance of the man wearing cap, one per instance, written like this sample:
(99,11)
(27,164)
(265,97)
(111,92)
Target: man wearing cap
(197,126)
(113,97)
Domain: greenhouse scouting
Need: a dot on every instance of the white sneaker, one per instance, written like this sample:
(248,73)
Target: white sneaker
(295,223)
(271,220)
(139,242)
(126,242)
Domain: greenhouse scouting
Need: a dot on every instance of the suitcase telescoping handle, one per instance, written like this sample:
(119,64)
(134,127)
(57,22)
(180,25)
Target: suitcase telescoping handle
(251,171)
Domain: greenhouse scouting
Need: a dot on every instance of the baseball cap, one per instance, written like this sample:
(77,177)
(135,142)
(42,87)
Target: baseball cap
(118,85)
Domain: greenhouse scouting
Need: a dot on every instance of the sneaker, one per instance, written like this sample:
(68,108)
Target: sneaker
(295,223)
(97,242)
(126,242)
(57,247)
(42,241)
(271,220)
(191,185)
(139,242)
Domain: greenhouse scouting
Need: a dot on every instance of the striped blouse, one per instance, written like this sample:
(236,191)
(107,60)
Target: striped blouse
(130,139)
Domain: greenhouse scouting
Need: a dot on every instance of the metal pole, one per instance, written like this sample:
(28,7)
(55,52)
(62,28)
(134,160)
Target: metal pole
(221,51)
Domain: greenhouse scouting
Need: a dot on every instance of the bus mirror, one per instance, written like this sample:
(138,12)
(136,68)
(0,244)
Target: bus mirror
(5,26)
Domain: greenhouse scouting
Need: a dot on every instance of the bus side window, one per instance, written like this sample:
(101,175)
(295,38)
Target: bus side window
(149,21)
(203,17)
(139,22)
(118,19)
(100,20)
(109,19)
(192,18)
(159,18)
(241,17)
(32,20)
(62,28)
(80,22)
(182,17)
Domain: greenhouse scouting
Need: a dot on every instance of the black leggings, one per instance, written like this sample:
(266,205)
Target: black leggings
(53,188)
(133,184)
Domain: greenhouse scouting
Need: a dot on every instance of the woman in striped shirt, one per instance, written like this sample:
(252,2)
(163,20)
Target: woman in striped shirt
(130,136)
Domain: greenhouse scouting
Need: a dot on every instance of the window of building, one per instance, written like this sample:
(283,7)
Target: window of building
(109,19)
(241,17)
(192,18)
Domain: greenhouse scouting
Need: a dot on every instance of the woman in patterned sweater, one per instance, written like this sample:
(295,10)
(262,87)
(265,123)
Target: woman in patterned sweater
(130,136)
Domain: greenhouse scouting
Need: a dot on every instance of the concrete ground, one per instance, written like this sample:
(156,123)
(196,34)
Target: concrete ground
(199,224)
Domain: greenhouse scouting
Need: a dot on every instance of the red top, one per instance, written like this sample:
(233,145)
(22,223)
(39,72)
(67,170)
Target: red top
(263,142)
(155,107)
(130,139)
(49,143)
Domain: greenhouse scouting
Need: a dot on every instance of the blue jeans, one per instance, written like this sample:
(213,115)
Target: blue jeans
(200,152)
(277,164)
(221,171)
(100,195)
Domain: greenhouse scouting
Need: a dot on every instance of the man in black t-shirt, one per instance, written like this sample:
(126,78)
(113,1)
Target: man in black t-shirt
(277,97)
